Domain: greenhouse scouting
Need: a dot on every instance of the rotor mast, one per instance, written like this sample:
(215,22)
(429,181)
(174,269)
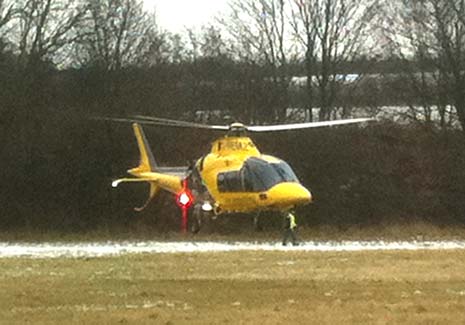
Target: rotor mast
(235,142)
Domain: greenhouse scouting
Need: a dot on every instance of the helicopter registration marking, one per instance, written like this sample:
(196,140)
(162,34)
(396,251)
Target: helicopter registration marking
(235,145)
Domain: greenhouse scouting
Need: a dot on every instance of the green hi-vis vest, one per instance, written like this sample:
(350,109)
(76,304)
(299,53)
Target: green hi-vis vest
(292,223)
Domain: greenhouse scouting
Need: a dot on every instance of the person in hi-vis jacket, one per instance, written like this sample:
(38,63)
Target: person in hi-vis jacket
(290,226)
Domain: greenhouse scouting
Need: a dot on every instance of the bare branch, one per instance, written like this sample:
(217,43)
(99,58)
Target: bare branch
(45,29)
(7,12)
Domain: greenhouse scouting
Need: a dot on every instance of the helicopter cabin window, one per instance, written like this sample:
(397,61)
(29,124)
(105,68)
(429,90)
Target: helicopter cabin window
(230,182)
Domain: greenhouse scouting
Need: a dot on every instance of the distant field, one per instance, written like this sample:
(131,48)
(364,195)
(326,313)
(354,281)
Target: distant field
(251,287)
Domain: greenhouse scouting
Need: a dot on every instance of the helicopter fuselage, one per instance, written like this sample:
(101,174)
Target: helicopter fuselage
(241,179)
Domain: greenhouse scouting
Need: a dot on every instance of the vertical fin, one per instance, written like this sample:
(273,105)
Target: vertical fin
(147,161)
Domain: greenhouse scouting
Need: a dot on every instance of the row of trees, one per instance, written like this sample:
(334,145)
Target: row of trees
(278,39)
(64,33)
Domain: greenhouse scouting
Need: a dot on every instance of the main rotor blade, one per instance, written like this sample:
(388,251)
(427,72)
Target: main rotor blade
(163,122)
(177,123)
(295,126)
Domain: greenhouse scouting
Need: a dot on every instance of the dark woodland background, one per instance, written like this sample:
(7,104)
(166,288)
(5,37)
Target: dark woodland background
(65,63)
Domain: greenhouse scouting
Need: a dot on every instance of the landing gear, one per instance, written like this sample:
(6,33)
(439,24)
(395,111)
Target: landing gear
(257,225)
(196,220)
(200,218)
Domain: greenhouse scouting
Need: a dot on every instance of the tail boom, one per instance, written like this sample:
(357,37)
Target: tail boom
(146,171)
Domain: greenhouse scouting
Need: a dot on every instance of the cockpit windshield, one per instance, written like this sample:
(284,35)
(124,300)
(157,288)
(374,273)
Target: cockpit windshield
(256,175)
(260,175)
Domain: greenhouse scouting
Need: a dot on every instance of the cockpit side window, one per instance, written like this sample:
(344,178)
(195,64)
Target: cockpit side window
(230,182)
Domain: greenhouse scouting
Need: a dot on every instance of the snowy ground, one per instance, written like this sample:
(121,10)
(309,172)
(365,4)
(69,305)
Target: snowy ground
(96,249)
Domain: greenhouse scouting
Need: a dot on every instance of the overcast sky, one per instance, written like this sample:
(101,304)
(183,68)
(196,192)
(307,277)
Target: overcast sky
(175,15)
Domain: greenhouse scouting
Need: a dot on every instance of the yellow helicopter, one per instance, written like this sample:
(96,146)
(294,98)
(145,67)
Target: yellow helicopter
(233,177)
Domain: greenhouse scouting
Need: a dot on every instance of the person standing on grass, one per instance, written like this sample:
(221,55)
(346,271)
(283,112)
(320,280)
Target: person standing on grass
(290,227)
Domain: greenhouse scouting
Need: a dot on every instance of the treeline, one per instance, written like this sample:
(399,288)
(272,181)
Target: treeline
(64,64)
(380,174)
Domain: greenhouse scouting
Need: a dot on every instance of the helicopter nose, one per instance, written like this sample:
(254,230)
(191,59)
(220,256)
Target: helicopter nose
(286,195)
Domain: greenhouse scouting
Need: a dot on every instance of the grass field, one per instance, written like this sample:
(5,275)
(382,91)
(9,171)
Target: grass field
(254,287)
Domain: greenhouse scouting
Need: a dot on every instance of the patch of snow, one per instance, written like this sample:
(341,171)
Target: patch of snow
(97,249)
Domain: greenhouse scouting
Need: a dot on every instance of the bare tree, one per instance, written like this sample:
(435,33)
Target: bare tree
(45,29)
(409,30)
(431,35)
(260,33)
(116,33)
(207,43)
(451,38)
(209,77)
(159,50)
(306,34)
(331,32)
